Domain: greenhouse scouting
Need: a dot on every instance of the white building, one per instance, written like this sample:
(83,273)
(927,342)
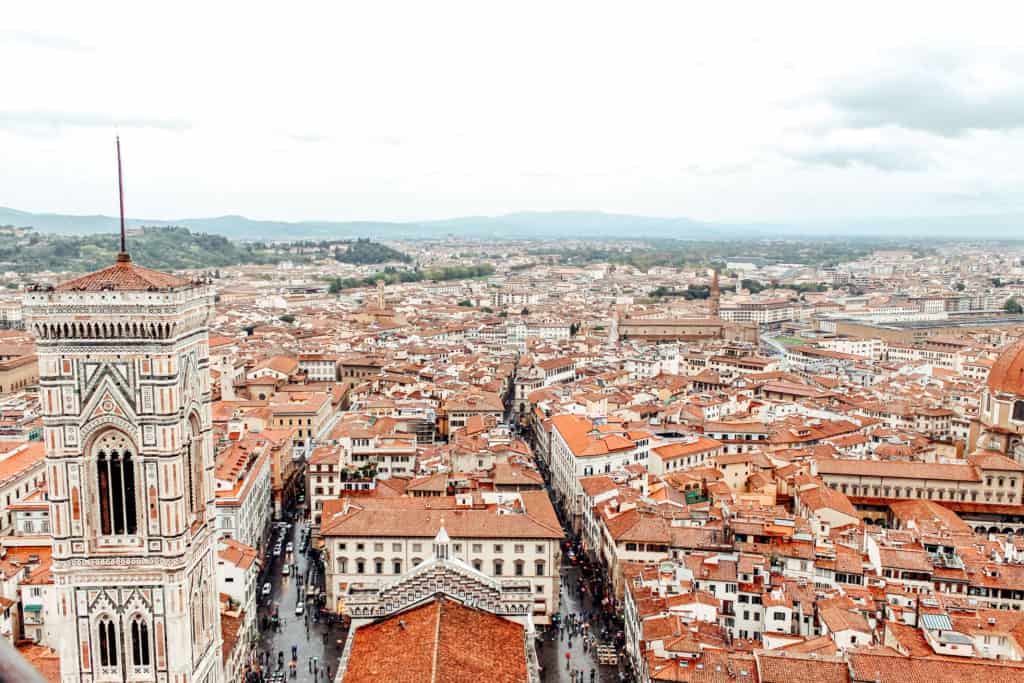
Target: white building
(501,535)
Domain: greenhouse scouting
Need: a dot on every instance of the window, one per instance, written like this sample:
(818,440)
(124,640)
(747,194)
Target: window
(631,546)
(539,549)
(520,567)
(498,567)
(539,567)
(140,641)
(378,547)
(519,549)
(396,547)
(115,480)
(779,616)
(478,565)
(378,566)
(194,468)
(397,566)
(497,547)
(416,561)
(1018,411)
(457,547)
(360,546)
(341,546)
(360,566)
(417,547)
(108,643)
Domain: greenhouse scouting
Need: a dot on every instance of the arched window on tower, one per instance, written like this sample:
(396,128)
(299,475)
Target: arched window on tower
(115,484)
(108,642)
(194,470)
(140,641)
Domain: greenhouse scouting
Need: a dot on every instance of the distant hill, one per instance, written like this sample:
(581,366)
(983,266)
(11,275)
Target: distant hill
(542,225)
(161,248)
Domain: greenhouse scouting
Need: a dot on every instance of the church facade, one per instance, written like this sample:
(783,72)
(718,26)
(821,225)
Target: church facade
(125,394)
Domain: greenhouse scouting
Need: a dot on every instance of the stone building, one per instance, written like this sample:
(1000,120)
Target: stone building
(125,395)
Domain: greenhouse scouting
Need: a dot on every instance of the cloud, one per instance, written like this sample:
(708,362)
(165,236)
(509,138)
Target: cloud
(53,120)
(51,42)
(934,97)
(880,156)
(308,137)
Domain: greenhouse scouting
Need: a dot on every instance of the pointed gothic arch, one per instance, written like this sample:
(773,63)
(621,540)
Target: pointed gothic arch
(194,468)
(106,633)
(140,640)
(114,460)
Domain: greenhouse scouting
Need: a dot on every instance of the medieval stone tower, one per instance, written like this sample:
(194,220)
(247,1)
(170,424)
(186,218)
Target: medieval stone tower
(125,394)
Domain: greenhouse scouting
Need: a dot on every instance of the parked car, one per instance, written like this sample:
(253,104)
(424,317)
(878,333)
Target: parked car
(266,589)
(288,548)
(277,550)
(286,570)
(300,609)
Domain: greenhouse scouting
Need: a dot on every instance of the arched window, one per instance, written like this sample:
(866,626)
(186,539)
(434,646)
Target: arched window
(108,643)
(397,566)
(378,566)
(478,565)
(140,641)
(520,567)
(540,567)
(499,566)
(115,484)
(360,566)
(194,469)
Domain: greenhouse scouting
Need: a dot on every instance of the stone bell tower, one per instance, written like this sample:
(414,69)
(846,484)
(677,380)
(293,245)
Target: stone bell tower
(125,394)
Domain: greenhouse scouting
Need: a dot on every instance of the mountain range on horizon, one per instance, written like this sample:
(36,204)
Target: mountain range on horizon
(541,225)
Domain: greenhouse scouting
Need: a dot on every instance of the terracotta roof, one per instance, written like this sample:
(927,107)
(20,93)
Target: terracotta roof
(1007,373)
(422,518)
(890,668)
(899,470)
(785,667)
(439,641)
(124,276)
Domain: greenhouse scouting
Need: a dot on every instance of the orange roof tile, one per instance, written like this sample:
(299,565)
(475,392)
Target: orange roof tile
(124,276)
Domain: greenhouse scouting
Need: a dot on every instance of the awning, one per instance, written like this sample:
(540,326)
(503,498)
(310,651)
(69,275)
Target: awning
(33,608)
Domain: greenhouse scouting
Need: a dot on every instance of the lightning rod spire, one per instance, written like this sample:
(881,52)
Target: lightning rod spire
(123,256)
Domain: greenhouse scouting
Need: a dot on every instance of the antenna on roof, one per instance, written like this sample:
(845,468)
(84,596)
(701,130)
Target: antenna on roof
(123,256)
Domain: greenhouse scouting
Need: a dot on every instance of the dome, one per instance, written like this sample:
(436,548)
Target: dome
(1007,373)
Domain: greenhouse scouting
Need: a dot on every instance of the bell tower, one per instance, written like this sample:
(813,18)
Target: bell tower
(125,394)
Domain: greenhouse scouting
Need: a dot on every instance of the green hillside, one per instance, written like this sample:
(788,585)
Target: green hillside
(26,251)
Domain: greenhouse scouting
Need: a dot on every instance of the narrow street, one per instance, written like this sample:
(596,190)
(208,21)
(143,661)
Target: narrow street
(311,636)
(581,601)
(552,649)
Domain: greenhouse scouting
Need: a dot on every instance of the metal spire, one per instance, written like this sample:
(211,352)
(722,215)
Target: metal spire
(123,255)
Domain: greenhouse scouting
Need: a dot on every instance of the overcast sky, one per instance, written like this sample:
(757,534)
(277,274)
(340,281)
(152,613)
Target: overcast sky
(432,109)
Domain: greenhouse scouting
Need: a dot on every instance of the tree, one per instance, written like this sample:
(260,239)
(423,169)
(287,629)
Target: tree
(1013,306)
(465,302)
(287,318)
(960,286)
(336,286)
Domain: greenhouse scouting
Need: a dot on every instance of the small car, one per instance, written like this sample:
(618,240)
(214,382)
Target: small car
(286,570)
(300,609)
(288,547)
(266,588)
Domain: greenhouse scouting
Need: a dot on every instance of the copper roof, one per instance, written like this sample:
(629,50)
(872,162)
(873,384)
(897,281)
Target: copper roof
(1007,373)
(123,276)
